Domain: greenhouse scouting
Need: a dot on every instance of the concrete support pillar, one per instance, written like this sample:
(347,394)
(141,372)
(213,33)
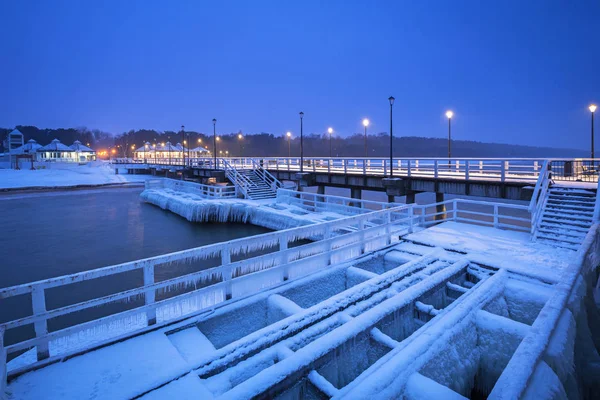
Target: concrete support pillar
(116,171)
(320,189)
(356,194)
(410,197)
(440,208)
(391,198)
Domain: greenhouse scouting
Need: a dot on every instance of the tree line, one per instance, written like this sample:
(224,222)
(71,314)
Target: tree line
(266,144)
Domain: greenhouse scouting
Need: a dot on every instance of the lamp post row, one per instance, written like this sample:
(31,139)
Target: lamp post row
(366,122)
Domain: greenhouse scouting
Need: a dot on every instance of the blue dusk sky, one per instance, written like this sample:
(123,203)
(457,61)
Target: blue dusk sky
(512,71)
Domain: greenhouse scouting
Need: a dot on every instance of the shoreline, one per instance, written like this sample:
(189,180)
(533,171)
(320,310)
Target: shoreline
(73,188)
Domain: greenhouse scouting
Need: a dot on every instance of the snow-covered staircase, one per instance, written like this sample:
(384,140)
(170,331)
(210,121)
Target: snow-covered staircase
(566,217)
(254,183)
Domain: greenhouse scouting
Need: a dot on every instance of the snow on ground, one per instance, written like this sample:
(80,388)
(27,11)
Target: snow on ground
(65,175)
(120,371)
(497,248)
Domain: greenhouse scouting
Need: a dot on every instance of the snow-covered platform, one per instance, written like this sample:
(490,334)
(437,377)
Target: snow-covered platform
(452,311)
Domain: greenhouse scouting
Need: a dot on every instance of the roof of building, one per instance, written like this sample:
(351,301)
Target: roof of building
(200,149)
(29,147)
(15,132)
(80,147)
(55,145)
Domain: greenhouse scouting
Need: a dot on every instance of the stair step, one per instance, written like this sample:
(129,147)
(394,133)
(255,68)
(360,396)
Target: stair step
(580,195)
(567,213)
(571,227)
(564,232)
(558,244)
(559,238)
(586,203)
(568,208)
(571,217)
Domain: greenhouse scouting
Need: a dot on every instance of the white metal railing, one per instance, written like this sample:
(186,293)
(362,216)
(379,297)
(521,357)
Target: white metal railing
(205,191)
(241,181)
(539,199)
(483,169)
(532,348)
(266,176)
(439,168)
(496,215)
(337,241)
(338,204)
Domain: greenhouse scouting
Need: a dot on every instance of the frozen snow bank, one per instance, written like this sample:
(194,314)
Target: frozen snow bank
(65,175)
(261,213)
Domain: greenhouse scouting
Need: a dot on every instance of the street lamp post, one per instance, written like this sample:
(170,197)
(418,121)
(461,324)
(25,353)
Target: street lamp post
(449,115)
(301,143)
(592,109)
(240,137)
(289,137)
(183,145)
(330,131)
(215,142)
(365,124)
(391,99)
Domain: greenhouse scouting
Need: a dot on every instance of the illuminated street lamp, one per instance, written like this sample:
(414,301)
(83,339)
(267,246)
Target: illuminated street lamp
(240,137)
(289,137)
(391,99)
(449,115)
(215,142)
(183,145)
(330,131)
(301,143)
(365,124)
(592,109)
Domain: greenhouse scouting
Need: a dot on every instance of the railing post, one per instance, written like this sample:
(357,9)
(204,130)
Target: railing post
(435,169)
(364,166)
(283,246)
(408,171)
(38,302)
(345,164)
(361,228)
(3,372)
(454,211)
(502,171)
(149,295)
(467,170)
(495,216)
(328,246)
(384,167)
(226,260)
(388,227)
(411,212)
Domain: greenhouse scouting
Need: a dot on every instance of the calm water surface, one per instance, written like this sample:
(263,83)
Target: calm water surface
(53,234)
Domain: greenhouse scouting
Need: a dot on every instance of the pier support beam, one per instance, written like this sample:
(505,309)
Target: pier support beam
(391,198)
(410,197)
(355,194)
(440,208)
(321,189)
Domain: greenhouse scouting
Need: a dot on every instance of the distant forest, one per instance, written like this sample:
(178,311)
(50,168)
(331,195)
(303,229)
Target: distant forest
(266,144)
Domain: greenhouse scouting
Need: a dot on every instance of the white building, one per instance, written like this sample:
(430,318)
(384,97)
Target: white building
(30,147)
(56,151)
(82,152)
(13,141)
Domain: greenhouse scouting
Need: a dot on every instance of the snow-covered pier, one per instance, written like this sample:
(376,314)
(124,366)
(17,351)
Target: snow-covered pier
(496,301)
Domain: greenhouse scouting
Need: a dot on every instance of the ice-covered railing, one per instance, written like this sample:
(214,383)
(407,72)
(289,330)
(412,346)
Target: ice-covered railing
(570,292)
(335,241)
(337,204)
(497,215)
(494,169)
(266,176)
(539,199)
(204,191)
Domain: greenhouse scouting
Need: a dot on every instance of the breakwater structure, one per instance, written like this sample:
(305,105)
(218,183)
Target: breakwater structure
(359,301)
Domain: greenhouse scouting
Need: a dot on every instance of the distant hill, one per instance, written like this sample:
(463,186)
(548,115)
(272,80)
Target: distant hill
(266,144)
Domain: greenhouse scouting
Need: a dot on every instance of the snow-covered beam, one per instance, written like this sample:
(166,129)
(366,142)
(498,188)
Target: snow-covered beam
(419,387)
